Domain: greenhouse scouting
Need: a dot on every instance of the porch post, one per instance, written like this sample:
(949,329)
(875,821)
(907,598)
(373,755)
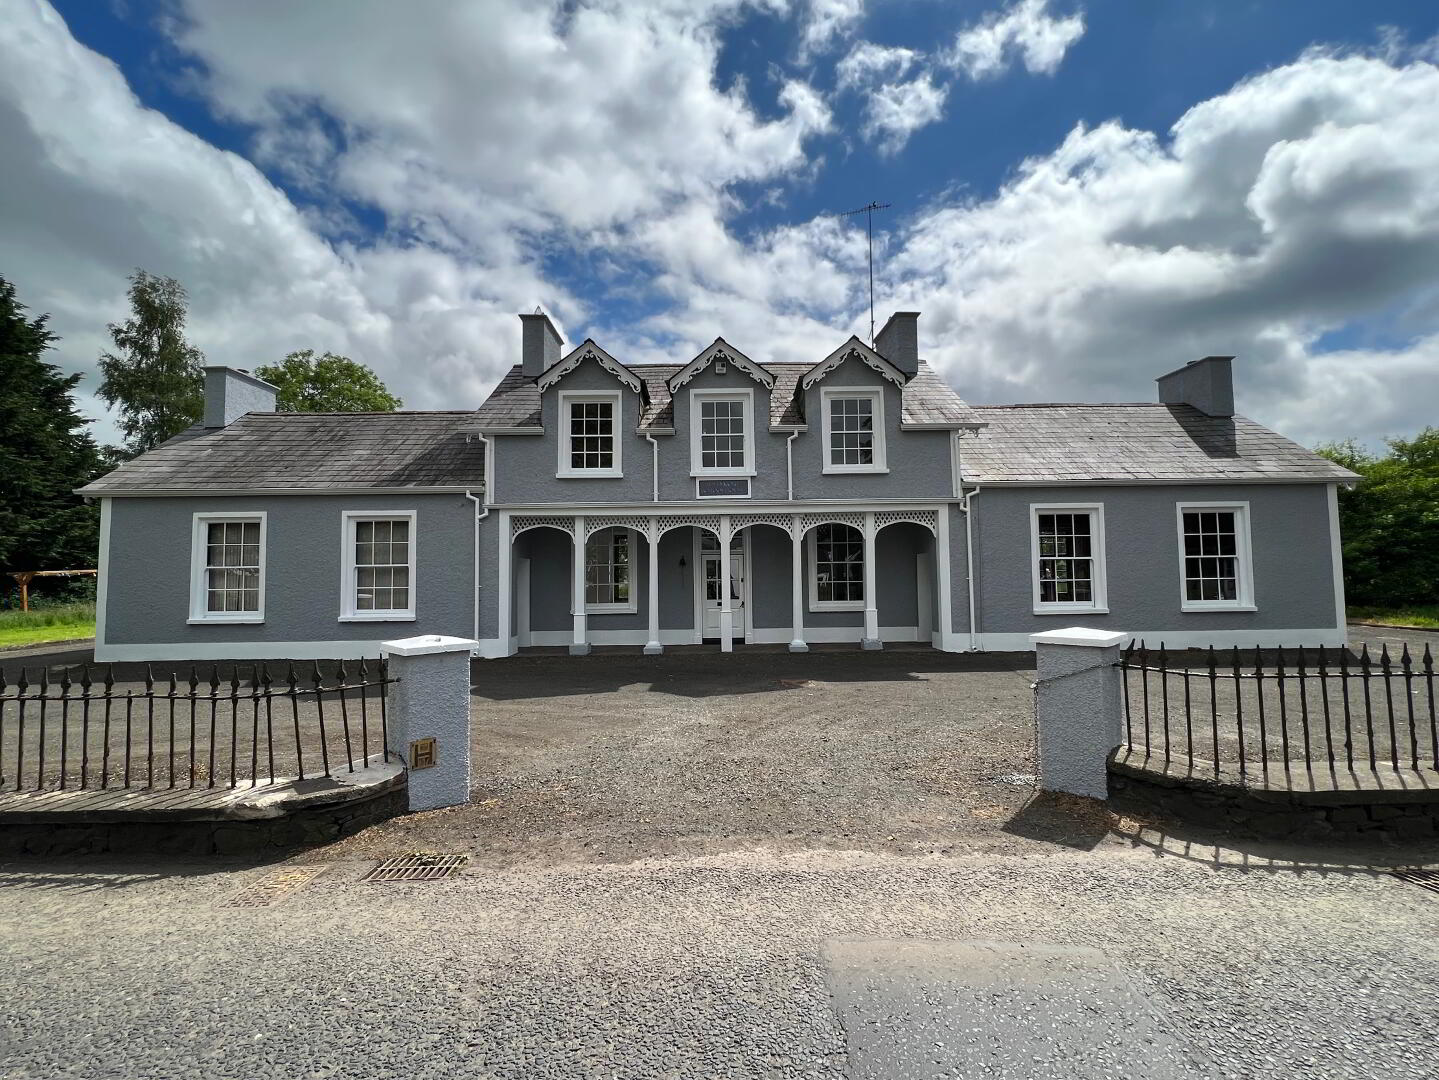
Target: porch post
(580,645)
(726,612)
(941,577)
(871,608)
(653,646)
(797,642)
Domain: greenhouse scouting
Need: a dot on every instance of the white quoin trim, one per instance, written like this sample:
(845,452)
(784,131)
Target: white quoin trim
(102,576)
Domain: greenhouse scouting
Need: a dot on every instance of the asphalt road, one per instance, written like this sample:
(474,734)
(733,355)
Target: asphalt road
(713,967)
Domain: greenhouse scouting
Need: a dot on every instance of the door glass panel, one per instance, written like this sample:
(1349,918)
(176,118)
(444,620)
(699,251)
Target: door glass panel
(712,580)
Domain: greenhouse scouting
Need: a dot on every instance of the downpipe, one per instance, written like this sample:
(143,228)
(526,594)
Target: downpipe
(482,511)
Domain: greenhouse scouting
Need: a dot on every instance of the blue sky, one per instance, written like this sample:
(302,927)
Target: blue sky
(1083,195)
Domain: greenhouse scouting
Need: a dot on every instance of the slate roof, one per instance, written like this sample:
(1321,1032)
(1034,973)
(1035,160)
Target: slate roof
(308,452)
(1143,442)
(515,402)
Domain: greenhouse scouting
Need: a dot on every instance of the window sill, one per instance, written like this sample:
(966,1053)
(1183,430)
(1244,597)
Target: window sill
(590,474)
(721,474)
(247,620)
(1216,607)
(848,606)
(379,616)
(840,470)
(1071,609)
(621,609)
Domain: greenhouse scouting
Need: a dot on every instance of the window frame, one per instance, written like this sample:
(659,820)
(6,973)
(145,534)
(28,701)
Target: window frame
(742,394)
(812,573)
(349,612)
(1099,582)
(875,395)
(564,468)
(199,587)
(1243,557)
(629,607)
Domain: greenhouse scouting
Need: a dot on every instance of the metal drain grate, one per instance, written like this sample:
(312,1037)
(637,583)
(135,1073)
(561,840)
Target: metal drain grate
(1425,879)
(425,866)
(274,886)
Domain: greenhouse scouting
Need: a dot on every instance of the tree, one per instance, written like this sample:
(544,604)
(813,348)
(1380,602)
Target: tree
(328,384)
(1390,521)
(155,378)
(46,452)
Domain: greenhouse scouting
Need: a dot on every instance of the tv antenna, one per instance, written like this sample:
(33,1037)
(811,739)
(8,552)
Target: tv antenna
(868,212)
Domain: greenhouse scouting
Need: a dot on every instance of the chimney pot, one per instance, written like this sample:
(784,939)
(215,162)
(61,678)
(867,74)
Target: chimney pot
(540,344)
(1206,385)
(898,342)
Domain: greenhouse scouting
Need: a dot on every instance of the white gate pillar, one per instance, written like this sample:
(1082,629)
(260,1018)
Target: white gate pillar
(871,605)
(430,700)
(1078,708)
(580,644)
(796,534)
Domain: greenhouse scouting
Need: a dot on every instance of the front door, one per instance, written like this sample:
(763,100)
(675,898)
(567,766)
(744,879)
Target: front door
(711,591)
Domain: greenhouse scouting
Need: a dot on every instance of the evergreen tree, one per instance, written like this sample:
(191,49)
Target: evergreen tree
(154,375)
(45,452)
(330,384)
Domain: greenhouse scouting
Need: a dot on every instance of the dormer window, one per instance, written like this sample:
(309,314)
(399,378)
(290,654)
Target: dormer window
(589,435)
(722,433)
(853,430)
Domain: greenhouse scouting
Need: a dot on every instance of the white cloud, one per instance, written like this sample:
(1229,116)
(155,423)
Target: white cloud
(824,21)
(894,108)
(1025,31)
(895,111)
(1297,204)
(868,63)
(492,142)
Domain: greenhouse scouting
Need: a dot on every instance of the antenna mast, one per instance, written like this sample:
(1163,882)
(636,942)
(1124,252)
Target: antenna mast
(868,212)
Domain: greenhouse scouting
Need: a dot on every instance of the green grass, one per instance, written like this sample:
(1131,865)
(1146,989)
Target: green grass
(59,623)
(1420,616)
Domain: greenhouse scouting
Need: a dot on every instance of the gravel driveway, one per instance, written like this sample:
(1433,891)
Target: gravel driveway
(616,756)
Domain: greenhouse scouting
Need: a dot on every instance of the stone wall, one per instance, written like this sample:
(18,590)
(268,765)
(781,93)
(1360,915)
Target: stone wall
(1304,816)
(304,826)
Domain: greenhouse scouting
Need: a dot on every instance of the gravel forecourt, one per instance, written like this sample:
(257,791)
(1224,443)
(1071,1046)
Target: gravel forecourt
(658,867)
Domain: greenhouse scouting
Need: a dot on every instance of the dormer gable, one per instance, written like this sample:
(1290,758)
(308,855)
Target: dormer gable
(588,350)
(856,350)
(721,352)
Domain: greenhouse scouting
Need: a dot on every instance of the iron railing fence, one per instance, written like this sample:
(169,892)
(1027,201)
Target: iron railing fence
(119,726)
(1257,710)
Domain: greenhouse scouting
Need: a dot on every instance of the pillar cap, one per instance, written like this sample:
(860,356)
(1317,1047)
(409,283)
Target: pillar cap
(427,643)
(1081,635)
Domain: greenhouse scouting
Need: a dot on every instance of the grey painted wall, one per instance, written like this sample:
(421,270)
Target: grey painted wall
(525,465)
(1289,524)
(148,591)
(918,461)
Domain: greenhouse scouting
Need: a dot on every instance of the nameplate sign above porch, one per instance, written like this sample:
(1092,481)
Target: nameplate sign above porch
(725,488)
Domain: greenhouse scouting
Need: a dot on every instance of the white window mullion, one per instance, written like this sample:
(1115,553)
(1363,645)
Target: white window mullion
(378,568)
(227,568)
(1067,564)
(589,429)
(1215,564)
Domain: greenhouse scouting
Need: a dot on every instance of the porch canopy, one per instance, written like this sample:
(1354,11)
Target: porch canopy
(724,527)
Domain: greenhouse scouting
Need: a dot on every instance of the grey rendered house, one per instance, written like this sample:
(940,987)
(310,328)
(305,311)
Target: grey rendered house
(589,502)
